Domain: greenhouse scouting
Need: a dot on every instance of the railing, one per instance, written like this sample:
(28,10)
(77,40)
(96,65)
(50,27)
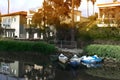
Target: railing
(64,44)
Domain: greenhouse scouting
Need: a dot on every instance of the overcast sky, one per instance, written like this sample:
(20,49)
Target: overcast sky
(21,5)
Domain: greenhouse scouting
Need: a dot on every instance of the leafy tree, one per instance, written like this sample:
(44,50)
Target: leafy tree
(37,19)
(53,12)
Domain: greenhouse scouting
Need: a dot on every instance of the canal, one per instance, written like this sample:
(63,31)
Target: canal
(32,70)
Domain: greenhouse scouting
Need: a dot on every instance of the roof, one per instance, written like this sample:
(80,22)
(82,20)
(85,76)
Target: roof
(109,4)
(24,13)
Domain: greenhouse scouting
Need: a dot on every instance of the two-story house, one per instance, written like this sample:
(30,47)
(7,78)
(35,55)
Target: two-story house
(14,24)
(109,14)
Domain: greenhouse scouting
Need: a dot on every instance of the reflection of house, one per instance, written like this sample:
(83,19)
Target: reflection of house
(109,14)
(14,24)
(15,68)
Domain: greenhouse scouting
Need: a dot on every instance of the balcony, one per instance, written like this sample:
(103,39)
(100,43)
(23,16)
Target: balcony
(107,22)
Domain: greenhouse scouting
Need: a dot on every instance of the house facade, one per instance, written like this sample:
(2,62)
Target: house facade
(14,24)
(109,14)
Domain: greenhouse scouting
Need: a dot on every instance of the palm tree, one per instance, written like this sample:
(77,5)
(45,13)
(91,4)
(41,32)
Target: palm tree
(93,2)
(75,3)
(88,8)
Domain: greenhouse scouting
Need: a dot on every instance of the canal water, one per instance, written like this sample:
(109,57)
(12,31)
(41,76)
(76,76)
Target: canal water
(22,70)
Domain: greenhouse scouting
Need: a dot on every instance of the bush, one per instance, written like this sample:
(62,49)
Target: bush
(111,51)
(26,46)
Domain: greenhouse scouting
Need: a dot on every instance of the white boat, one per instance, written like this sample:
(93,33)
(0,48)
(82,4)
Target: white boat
(75,61)
(62,58)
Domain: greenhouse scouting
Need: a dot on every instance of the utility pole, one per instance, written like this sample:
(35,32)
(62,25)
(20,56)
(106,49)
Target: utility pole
(7,21)
(8,6)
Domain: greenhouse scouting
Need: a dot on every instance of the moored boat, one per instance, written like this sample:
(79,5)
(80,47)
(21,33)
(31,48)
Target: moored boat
(62,58)
(75,61)
(91,59)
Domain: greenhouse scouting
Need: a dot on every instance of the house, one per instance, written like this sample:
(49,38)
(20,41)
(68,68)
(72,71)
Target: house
(77,16)
(14,24)
(109,14)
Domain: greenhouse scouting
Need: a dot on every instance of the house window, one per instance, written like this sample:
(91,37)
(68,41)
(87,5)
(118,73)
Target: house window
(4,20)
(14,19)
(9,20)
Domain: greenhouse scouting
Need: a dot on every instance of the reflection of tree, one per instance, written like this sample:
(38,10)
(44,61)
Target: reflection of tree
(47,73)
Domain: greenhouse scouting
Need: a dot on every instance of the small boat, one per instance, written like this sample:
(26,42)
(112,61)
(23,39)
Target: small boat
(91,59)
(75,61)
(62,58)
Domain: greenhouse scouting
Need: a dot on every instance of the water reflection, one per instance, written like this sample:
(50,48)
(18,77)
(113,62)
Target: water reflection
(52,71)
(92,65)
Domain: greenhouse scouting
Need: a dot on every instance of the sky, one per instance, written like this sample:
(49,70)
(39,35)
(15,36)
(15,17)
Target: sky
(24,5)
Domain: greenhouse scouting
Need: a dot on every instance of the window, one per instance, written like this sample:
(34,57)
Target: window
(14,19)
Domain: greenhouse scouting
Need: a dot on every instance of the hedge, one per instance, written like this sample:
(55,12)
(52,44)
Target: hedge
(111,51)
(26,46)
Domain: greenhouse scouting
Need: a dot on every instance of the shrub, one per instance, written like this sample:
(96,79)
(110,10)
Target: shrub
(26,46)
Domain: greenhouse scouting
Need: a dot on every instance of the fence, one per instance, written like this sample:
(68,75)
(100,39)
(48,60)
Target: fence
(64,44)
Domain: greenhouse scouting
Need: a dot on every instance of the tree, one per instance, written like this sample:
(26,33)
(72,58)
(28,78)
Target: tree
(37,19)
(54,11)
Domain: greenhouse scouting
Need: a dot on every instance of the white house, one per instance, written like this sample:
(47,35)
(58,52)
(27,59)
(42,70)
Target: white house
(14,24)
(109,14)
